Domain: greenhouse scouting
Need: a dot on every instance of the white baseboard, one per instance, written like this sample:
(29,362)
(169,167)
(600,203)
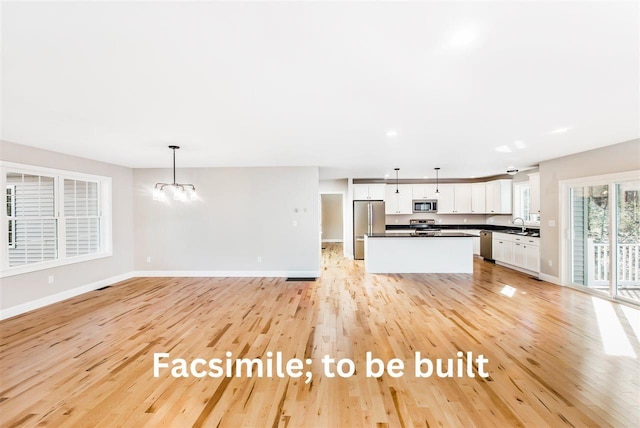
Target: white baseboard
(229,273)
(64,295)
(550,278)
(332,240)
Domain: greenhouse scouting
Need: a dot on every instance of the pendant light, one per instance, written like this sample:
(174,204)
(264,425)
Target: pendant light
(180,191)
(437,182)
(397,169)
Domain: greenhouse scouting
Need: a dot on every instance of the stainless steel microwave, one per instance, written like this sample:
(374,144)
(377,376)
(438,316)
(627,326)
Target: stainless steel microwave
(425,205)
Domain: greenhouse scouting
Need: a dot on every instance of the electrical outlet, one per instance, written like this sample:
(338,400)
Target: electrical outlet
(51,279)
(295,223)
(465,220)
(550,262)
(148,259)
(259,259)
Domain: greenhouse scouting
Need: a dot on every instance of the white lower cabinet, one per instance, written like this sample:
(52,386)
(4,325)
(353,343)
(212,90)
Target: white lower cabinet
(532,261)
(518,251)
(502,249)
(519,254)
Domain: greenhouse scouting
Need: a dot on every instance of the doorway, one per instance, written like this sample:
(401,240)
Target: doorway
(331,227)
(331,218)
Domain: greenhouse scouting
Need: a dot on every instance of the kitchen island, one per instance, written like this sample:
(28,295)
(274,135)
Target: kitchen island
(440,252)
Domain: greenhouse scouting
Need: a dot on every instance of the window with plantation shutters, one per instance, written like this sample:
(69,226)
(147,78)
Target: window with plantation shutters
(82,217)
(11,214)
(52,218)
(33,225)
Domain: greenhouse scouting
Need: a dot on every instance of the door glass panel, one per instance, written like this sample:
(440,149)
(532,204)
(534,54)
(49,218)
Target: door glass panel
(590,239)
(628,239)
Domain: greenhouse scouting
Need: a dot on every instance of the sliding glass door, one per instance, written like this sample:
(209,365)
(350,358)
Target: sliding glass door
(590,238)
(628,239)
(604,240)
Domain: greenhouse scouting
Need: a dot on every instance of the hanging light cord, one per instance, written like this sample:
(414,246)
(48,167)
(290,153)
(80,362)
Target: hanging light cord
(397,169)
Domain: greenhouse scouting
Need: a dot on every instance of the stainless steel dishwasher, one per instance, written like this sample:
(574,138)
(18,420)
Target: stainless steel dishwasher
(486,244)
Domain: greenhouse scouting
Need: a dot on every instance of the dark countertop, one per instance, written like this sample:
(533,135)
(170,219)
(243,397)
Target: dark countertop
(531,231)
(431,235)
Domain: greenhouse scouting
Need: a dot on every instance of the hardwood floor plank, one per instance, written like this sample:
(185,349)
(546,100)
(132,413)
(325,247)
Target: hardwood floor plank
(88,361)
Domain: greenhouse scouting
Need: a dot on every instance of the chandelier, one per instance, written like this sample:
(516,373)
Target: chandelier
(181,192)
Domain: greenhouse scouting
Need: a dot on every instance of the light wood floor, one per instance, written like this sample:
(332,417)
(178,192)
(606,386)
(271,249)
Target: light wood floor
(88,361)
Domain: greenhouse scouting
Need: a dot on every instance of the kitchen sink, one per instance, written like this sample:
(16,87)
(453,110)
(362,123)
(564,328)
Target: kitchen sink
(515,232)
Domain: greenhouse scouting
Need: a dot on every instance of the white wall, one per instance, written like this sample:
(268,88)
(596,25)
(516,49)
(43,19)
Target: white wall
(607,160)
(242,214)
(29,287)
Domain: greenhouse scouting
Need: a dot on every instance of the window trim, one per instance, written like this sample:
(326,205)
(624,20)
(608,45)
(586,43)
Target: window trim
(106,235)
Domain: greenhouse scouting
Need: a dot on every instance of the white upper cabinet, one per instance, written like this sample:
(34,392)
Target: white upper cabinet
(447,199)
(534,193)
(369,192)
(493,197)
(360,191)
(454,199)
(401,202)
(478,198)
(462,199)
(498,197)
(377,191)
(424,191)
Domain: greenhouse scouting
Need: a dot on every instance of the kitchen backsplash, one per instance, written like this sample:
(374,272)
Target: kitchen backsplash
(502,220)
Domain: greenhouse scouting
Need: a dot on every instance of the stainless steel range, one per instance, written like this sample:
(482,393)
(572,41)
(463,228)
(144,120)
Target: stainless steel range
(423,226)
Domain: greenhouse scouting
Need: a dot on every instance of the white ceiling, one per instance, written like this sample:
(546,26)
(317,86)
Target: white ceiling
(306,83)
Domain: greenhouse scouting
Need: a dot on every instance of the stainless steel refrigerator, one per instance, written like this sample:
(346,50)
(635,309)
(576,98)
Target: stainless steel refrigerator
(368,218)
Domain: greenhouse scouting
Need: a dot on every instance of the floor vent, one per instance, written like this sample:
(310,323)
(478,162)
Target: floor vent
(303,279)
(103,288)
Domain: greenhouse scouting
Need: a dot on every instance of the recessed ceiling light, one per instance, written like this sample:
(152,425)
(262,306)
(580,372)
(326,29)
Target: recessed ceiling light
(425,176)
(392,133)
(503,149)
(560,130)
(386,175)
(472,176)
(519,144)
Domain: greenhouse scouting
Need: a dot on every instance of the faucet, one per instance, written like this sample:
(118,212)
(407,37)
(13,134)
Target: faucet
(520,218)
